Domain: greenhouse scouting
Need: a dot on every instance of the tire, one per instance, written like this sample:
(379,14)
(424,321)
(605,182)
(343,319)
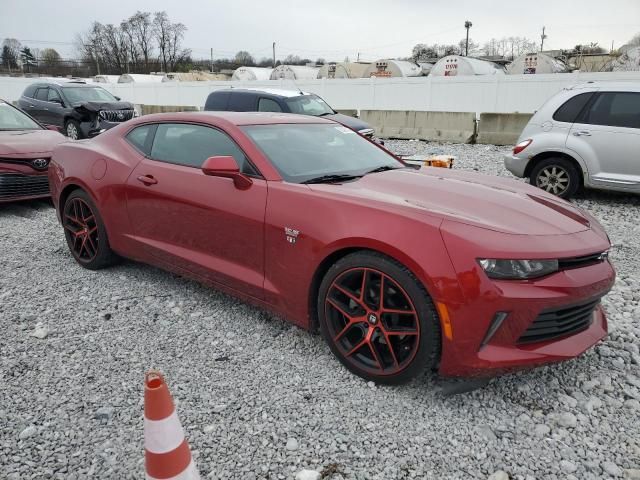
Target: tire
(551,174)
(347,318)
(85,232)
(72,130)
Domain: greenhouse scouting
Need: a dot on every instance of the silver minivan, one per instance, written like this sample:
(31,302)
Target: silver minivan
(587,135)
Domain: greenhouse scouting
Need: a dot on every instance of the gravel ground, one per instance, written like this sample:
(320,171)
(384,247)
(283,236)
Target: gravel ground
(260,398)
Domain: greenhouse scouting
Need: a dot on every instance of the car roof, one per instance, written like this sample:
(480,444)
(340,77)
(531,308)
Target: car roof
(236,118)
(280,92)
(608,86)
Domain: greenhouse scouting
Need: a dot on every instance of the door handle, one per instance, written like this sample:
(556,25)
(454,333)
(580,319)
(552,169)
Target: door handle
(582,133)
(147,180)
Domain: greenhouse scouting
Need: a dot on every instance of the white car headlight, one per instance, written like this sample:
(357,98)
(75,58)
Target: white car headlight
(517,269)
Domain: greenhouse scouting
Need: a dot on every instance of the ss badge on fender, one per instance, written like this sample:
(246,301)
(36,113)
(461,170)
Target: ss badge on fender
(292,234)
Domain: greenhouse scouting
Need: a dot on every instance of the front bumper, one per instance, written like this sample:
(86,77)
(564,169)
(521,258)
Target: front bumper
(468,353)
(94,128)
(515,165)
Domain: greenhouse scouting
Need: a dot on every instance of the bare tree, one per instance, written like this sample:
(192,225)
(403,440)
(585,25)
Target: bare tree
(422,52)
(244,58)
(50,57)
(474,47)
(169,38)
(11,53)
(141,26)
(509,47)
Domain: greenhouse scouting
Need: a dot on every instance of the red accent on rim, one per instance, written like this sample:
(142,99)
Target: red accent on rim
(372,321)
(81,229)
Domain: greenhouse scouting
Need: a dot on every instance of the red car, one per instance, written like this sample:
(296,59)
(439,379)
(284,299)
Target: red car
(401,269)
(25,152)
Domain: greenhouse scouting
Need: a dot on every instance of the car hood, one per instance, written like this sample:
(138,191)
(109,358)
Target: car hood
(22,142)
(494,203)
(351,122)
(97,106)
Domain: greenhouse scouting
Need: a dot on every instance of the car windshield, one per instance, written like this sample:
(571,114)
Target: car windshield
(307,152)
(13,119)
(309,105)
(88,94)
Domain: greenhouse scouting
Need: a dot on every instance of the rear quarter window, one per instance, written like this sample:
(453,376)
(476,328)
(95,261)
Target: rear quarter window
(141,138)
(569,110)
(29,91)
(217,101)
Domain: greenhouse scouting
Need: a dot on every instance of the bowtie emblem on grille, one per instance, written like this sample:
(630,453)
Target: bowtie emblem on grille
(291,234)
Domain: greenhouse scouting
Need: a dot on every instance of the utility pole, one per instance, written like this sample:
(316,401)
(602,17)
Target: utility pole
(358,57)
(274,54)
(467,25)
(542,38)
(211,61)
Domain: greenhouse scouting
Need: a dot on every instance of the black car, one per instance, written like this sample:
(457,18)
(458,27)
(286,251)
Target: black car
(78,109)
(287,101)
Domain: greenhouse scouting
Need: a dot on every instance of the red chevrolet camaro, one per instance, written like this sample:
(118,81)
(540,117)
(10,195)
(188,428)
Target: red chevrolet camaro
(25,152)
(401,269)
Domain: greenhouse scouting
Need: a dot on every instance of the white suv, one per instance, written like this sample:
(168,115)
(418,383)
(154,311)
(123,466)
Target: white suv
(586,135)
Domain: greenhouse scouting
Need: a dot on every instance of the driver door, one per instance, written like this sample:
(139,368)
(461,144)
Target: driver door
(195,222)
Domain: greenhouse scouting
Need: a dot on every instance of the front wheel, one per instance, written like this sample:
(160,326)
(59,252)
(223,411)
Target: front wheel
(85,232)
(378,319)
(558,176)
(72,130)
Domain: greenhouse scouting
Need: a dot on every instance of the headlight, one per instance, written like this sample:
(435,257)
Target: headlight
(517,269)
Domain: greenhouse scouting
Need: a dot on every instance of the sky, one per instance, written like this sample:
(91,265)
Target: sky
(331,29)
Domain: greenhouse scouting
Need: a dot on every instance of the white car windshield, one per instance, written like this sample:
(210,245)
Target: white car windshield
(13,119)
(313,153)
(88,94)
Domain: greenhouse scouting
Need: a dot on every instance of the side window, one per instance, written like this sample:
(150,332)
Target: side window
(53,96)
(141,138)
(30,91)
(242,102)
(191,145)
(217,101)
(616,109)
(268,105)
(42,94)
(570,109)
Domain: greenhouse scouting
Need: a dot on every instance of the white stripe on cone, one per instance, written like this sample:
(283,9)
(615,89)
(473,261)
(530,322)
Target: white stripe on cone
(190,473)
(163,436)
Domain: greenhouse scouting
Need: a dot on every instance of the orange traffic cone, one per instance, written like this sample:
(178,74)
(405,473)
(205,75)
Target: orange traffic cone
(167,454)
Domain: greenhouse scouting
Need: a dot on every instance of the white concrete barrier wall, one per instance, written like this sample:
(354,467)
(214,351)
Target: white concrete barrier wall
(498,94)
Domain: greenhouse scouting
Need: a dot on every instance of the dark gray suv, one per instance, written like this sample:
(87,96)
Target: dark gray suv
(286,101)
(78,109)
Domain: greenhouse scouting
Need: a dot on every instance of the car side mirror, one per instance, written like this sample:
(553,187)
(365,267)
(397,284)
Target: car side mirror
(226,167)
(52,127)
(57,100)
(117,98)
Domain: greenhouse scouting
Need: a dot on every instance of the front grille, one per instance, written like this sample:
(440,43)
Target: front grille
(560,322)
(116,115)
(14,185)
(586,260)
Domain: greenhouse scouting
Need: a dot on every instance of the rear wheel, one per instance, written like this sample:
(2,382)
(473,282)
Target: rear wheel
(85,232)
(378,319)
(556,175)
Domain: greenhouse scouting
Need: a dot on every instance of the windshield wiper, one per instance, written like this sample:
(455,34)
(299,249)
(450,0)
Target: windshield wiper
(334,177)
(383,168)
(326,113)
